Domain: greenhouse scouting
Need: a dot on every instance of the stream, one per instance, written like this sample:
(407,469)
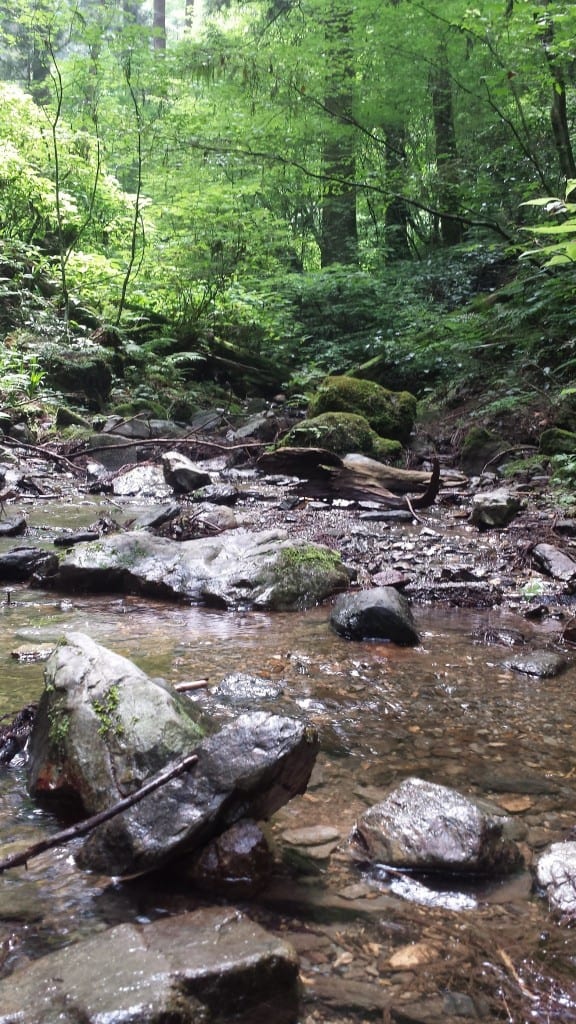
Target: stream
(447,711)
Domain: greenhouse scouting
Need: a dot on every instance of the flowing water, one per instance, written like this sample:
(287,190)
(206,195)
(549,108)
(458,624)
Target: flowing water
(447,711)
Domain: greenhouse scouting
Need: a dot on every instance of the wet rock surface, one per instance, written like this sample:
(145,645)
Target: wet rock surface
(556,873)
(380,613)
(421,825)
(103,728)
(200,968)
(239,568)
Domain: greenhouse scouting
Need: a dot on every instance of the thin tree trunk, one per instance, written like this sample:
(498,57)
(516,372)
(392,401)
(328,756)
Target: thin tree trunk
(451,228)
(159,24)
(558,108)
(339,231)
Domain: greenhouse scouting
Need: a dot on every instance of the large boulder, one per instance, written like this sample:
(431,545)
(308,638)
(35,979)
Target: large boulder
(421,825)
(380,613)
(390,413)
(207,967)
(238,569)
(341,432)
(103,726)
(103,729)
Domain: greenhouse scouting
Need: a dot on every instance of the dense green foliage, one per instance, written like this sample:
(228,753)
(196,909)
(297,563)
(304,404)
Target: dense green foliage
(282,191)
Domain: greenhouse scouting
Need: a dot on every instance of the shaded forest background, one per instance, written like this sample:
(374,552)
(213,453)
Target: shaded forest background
(257,194)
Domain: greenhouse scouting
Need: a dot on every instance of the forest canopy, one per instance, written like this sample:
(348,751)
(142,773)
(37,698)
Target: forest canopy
(309,178)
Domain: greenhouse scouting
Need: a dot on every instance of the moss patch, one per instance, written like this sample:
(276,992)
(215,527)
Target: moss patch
(342,433)
(390,413)
(557,442)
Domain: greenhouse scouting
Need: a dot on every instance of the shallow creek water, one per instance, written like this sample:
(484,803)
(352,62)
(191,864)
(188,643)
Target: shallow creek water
(447,711)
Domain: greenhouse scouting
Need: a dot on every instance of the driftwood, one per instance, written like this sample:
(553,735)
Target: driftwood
(82,828)
(326,475)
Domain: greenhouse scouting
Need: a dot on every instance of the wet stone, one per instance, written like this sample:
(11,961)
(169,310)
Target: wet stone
(556,873)
(380,613)
(197,968)
(542,664)
(243,688)
(425,826)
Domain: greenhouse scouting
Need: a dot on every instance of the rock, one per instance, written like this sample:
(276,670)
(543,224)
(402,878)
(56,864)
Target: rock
(182,474)
(84,373)
(494,508)
(13,527)
(66,417)
(114,451)
(249,768)
(68,539)
(390,413)
(557,442)
(544,664)
(142,427)
(243,688)
(479,447)
(377,614)
(206,967)
(421,825)
(556,873)
(236,569)
(146,480)
(217,494)
(556,564)
(341,432)
(236,864)
(103,728)
(21,563)
(156,516)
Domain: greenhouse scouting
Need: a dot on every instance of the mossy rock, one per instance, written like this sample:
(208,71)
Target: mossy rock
(557,442)
(390,413)
(341,433)
(479,447)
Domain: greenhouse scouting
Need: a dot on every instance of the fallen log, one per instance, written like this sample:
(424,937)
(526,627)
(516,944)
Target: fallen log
(82,828)
(323,474)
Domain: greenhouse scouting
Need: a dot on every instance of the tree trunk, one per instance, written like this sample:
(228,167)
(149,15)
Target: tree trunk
(558,109)
(397,217)
(339,232)
(451,230)
(159,24)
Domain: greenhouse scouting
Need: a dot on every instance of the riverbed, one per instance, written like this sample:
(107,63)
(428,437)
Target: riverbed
(372,947)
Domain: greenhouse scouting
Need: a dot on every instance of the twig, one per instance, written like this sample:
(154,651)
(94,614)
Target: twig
(174,441)
(44,453)
(83,827)
(194,684)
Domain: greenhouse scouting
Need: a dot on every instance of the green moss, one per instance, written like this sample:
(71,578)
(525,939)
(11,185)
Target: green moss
(308,555)
(106,711)
(390,413)
(341,433)
(305,574)
(59,725)
(479,447)
(557,442)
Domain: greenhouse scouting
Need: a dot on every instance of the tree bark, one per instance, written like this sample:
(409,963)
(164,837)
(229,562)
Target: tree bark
(558,108)
(339,232)
(451,228)
(159,24)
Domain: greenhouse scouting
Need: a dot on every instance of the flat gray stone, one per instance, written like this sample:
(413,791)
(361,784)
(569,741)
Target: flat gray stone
(197,968)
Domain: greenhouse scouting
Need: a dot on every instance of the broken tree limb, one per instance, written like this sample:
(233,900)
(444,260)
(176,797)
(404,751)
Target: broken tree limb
(322,474)
(83,827)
